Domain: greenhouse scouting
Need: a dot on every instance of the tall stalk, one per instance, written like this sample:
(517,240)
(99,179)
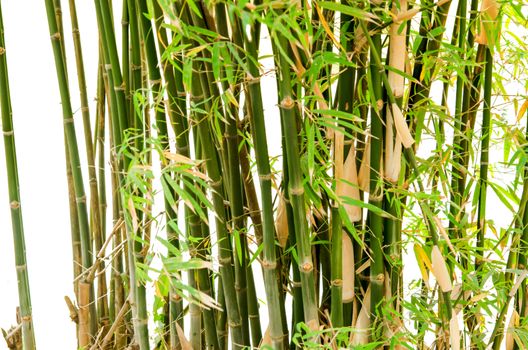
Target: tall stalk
(375,221)
(96,228)
(71,138)
(296,189)
(24,296)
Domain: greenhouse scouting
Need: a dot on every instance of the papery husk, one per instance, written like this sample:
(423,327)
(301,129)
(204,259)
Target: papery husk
(348,272)
(514,322)
(266,339)
(281,222)
(364,169)
(184,343)
(439,270)
(350,188)
(397,52)
(361,332)
(488,21)
(393,152)
(401,127)
(454,333)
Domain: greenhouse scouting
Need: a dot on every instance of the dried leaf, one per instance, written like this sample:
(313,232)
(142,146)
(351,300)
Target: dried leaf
(423,262)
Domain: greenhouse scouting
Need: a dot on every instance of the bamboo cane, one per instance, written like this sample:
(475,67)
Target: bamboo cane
(24,296)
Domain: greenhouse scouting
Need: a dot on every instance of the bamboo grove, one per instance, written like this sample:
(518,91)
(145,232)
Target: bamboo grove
(188,232)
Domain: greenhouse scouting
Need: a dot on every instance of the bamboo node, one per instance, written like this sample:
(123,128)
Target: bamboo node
(225,260)
(26,318)
(268,265)
(307,267)
(296,284)
(297,191)
(266,177)
(380,278)
(120,87)
(56,36)
(14,204)
(141,321)
(2,50)
(216,183)
(251,79)
(85,109)
(108,66)
(338,282)
(9,133)
(287,103)
(68,120)
(81,199)
(155,82)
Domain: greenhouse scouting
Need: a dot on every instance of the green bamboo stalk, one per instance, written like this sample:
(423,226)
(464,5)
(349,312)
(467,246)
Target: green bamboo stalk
(484,158)
(105,24)
(337,269)
(135,80)
(176,117)
(375,221)
(198,242)
(125,59)
(24,295)
(458,167)
(269,264)
(96,228)
(226,271)
(295,187)
(71,138)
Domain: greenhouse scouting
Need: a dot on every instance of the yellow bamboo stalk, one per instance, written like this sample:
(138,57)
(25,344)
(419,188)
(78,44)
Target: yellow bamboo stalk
(84,315)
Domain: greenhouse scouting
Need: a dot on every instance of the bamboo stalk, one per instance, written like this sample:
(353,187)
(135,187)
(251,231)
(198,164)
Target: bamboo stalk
(72,143)
(269,261)
(199,88)
(337,267)
(24,296)
(296,190)
(96,227)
